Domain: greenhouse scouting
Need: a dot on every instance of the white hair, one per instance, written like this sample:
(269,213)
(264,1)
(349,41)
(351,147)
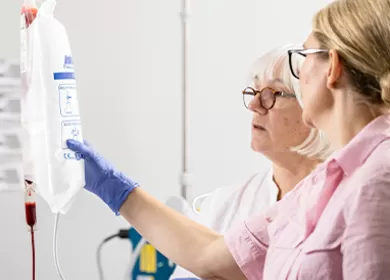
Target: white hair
(275,65)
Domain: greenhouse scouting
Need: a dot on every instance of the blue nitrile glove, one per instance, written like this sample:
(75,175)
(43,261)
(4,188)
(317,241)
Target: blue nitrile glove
(101,178)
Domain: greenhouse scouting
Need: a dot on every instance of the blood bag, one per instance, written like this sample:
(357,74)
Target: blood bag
(50,110)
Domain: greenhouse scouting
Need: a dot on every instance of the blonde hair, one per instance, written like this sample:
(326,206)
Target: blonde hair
(275,65)
(359,30)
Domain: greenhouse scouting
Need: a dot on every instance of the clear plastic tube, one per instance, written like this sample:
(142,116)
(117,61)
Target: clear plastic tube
(31,218)
(55,246)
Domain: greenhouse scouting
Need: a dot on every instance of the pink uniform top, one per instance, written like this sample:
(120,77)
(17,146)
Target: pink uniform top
(335,224)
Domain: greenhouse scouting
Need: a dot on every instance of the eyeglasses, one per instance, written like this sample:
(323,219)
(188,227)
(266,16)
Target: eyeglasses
(297,58)
(267,96)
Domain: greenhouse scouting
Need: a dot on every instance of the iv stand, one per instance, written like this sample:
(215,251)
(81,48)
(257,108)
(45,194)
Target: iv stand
(185,176)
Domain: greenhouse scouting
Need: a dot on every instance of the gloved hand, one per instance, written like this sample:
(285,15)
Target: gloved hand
(101,178)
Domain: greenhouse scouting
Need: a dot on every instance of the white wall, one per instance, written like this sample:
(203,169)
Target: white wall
(128,62)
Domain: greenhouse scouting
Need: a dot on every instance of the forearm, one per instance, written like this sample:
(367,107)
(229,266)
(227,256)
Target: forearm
(190,245)
(176,236)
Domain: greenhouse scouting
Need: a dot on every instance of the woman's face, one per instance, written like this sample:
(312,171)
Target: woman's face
(280,128)
(313,77)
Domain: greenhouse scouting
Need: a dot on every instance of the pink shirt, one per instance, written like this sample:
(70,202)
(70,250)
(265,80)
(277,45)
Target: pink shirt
(335,224)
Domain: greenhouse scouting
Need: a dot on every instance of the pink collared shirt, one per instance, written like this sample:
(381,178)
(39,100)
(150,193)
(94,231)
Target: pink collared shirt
(335,224)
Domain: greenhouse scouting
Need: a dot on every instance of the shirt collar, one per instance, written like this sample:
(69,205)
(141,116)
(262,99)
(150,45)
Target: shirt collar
(274,190)
(363,144)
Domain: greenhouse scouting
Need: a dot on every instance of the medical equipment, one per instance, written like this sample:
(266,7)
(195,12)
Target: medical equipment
(185,178)
(123,233)
(49,86)
(197,201)
(31,218)
(50,113)
(146,263)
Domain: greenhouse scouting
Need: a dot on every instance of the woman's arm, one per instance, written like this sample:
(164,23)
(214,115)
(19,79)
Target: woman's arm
(187,243)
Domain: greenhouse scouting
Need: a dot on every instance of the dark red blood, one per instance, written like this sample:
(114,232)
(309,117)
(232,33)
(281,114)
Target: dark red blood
(33,253)
(31,219)
(31,213)
(29,13)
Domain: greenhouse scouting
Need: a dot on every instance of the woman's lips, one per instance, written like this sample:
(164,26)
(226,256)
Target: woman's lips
(259,127)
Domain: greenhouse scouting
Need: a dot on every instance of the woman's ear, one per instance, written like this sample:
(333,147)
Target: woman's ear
(335,69)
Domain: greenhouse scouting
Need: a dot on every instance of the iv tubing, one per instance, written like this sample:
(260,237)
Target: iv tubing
(31,218)
(33,254)
(55,249)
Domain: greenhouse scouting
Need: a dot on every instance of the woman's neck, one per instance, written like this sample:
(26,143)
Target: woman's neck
(289,172)
(347,118)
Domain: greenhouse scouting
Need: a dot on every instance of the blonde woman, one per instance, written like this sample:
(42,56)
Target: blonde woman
(278,133)
(335,224)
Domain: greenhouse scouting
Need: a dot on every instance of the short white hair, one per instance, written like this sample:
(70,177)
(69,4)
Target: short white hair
(275,65)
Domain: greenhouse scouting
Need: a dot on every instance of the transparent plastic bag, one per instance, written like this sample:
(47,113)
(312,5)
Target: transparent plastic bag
(50,111)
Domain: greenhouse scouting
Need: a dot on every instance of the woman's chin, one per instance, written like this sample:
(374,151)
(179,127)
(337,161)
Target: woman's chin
(259,147)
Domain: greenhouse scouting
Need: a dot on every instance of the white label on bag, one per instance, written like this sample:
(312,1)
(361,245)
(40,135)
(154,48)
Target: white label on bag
(69,106)
(71,130)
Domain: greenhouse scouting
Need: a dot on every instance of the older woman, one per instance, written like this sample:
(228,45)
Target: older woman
(335,223)
(278,133)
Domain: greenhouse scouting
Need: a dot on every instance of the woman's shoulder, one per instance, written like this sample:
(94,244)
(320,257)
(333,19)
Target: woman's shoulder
(225,205)
(376,167)
(254,186)
(257,181)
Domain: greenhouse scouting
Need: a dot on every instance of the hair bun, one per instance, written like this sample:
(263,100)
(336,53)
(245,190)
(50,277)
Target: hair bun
(385,87)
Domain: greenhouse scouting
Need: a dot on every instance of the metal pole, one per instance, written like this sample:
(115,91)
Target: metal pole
(185,176)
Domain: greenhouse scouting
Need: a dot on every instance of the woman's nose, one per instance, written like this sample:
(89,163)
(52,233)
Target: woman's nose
(255,106)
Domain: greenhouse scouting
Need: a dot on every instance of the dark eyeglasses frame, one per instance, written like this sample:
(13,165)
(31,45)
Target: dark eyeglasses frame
(304,53)
(255,92)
